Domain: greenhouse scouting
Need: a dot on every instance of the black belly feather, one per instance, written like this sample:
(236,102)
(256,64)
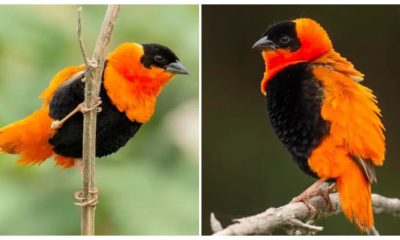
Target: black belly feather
(114,129)
(294,100)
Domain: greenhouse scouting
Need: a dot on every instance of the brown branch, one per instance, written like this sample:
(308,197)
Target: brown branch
(80,39)
(296,219)
(94,70)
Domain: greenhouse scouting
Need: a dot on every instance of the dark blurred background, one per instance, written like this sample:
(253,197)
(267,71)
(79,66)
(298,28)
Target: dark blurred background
(151,185)
(245,168)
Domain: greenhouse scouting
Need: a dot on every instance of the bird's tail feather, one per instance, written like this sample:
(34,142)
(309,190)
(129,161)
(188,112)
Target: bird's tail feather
(355,198)
(29,137)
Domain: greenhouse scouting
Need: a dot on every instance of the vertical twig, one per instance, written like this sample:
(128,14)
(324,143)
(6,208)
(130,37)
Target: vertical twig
(80,39)
(93,76)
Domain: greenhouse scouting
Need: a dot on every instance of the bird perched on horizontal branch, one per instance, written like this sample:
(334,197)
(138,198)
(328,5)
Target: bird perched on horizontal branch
(328,121)
(134,74)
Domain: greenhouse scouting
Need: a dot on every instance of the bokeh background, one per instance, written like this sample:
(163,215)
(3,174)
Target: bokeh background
(245,168)
(151,185)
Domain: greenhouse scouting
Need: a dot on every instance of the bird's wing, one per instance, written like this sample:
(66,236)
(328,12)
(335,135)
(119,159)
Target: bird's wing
(354,115)
(335,61)
(66,75)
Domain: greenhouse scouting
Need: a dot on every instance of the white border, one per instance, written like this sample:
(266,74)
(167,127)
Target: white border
(200,121)
(200,2)
(200,237)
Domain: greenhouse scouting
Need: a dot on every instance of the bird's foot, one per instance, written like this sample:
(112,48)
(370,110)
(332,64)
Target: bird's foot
(93,198)
(305,197)
(313,191)
(56,124)
(83,109)
(324,193)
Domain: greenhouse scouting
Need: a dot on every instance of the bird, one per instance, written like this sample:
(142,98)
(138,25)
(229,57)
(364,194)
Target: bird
(134,75)
(323,115)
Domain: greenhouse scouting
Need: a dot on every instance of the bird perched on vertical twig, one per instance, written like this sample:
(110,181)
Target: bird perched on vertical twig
(328,121)
(133,77)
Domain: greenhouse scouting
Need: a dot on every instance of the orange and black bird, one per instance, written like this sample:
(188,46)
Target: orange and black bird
(134,74)
(328,121)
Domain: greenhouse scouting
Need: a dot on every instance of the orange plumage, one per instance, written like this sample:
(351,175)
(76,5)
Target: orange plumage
(133,77)
(30,136)
(351,140)
(136,98)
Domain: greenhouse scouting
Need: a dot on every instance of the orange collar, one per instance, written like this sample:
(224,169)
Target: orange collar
(132,88)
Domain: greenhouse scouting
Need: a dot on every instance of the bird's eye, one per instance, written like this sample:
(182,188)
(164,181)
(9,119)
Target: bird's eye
(284,39)
(158,58)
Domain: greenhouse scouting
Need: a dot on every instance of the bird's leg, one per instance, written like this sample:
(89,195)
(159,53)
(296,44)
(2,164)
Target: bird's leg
(56,124)
(93,195)
(309,191)
(316,190)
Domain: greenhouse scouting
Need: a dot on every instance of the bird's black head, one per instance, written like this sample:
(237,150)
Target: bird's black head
(279,35)
(160,56)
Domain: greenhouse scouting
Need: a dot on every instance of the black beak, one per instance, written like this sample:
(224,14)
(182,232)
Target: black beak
(177,68)
(264,43)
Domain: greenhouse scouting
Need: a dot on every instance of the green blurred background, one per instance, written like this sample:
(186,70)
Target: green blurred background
(245,168)
(148,187)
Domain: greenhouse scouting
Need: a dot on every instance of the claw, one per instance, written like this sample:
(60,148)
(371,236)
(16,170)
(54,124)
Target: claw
(315,190)
(325,194)
(305,198)
(311,208)
(83,109)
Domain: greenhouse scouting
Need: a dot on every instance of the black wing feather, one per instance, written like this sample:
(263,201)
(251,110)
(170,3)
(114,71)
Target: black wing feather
(114,129)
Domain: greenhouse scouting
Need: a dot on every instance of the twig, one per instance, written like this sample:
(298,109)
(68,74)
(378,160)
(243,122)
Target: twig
(80,39)
(216,226)
(296,219)
(94,70)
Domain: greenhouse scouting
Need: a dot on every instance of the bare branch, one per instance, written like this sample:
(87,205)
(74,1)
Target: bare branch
(80,39)
(216,226)
(296,219)
(93,76)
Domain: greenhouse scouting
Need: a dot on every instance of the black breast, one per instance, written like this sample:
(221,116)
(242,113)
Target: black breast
(294,100)
(114,129)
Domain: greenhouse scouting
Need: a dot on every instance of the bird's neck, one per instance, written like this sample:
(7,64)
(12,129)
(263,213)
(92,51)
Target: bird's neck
(135,92)
(276,61)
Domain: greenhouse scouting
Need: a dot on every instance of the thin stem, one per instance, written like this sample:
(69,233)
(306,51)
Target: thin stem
(93,76)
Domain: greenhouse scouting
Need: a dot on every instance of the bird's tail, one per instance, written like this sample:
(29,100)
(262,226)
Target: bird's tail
(29,137)
(355,198)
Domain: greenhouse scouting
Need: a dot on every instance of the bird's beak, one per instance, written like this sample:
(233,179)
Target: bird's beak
(177,68)
(264,43)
